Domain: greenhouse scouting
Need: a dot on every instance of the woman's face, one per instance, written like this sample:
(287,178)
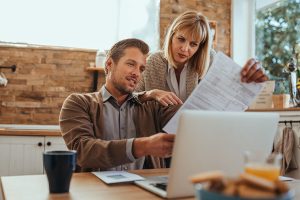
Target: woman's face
(183,47)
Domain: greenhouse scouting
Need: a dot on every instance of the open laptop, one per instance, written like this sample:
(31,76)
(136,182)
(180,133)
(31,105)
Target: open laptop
(209,140)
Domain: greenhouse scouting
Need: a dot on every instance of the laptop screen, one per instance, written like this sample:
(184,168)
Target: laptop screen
(210,140)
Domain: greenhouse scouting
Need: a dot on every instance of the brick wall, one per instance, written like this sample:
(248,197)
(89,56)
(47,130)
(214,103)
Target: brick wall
(43,79)
(215,10)
(46,76)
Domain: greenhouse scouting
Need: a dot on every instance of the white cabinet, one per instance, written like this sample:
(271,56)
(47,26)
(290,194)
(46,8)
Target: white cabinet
(23,155)
(54,143)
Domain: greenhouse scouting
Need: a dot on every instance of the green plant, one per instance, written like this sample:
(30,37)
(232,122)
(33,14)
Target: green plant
(281,87)
(277,35)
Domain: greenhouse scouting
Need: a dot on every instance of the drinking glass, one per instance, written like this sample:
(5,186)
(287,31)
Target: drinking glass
(261,165)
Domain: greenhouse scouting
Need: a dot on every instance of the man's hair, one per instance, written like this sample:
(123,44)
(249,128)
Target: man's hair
(117,50)
(195,24)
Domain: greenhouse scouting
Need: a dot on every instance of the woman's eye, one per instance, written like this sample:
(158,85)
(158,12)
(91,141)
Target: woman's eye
(181,39)
(193,44)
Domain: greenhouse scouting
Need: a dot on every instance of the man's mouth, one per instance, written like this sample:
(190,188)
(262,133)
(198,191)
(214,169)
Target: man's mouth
(132,80)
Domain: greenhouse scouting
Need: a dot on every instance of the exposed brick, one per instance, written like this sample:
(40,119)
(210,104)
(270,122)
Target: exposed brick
(216,10)
(35,96)
(42,81)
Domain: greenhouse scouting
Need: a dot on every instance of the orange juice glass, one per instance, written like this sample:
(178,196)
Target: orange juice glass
(267,167)
(266,171)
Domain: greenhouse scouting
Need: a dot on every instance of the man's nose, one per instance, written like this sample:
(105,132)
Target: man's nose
(136,72)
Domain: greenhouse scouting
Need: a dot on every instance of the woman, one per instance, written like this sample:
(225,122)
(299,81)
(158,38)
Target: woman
(172,74)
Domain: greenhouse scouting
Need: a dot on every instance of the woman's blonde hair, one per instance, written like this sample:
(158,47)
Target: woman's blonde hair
(197,25)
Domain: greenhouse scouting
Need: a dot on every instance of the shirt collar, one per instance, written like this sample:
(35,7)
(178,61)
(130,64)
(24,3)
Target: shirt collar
(171,67)
(106,95)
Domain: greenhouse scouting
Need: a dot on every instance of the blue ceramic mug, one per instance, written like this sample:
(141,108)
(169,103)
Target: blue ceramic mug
(59,166)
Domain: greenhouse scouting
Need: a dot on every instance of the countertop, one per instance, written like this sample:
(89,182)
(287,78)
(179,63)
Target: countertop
(275,109)
(54,130)
(29,130)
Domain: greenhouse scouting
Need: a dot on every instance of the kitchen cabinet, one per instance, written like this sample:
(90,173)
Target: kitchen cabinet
(23,155)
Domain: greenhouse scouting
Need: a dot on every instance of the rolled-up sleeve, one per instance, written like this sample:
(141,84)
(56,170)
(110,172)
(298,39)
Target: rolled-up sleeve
(129,144)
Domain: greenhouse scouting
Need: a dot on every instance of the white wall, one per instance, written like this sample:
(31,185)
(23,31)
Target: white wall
(243,30)
(92,24)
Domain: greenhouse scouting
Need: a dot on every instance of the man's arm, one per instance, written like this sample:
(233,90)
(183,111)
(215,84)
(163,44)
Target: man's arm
(159,145)
(78,132)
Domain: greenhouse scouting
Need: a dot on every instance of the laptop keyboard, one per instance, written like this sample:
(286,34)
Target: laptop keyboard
(162,186)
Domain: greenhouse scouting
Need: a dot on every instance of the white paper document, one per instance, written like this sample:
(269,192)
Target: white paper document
(220,90)
(264,99)
(110,177)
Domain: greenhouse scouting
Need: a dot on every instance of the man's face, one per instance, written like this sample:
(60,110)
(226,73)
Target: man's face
(125,75)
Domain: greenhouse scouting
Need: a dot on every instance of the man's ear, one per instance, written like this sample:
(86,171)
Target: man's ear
(108,65)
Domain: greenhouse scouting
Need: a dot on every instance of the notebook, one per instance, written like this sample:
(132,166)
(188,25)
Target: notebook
(210,140)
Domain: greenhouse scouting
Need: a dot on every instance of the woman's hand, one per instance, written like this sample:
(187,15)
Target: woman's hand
(163,97)
(253,72)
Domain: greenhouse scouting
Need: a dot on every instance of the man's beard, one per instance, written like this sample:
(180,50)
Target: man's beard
(121,88)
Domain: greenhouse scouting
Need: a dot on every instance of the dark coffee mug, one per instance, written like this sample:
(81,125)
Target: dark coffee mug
(59,166)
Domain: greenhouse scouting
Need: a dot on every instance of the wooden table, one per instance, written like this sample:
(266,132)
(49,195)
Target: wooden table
(83,186)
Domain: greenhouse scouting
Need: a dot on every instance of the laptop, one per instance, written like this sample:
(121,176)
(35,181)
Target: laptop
(210,140)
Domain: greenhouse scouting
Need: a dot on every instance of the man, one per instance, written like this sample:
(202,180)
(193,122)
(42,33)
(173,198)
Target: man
(111,129)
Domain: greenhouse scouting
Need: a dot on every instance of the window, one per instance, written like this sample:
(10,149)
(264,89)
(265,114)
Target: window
(277,34)
(270,31)
(89,24)
(242,30)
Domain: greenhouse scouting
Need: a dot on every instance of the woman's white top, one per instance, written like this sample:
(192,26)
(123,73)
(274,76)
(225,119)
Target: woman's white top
(178,89)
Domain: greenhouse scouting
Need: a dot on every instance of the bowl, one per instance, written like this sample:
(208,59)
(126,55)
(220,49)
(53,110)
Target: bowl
(203,194)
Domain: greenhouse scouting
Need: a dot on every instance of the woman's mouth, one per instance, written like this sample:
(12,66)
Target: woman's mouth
(182,55)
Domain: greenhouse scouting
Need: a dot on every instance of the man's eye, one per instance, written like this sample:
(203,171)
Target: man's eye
(130,64)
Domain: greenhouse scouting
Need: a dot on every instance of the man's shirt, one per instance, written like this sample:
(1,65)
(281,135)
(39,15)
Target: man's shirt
(118,124)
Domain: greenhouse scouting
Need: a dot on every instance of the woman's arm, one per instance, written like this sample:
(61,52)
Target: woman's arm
(165,98)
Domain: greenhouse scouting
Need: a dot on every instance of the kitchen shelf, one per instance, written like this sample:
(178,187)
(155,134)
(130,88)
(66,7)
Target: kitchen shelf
(99,69)
(95,71)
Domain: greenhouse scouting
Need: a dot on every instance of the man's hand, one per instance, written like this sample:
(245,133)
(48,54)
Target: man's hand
(165,98)
(253,72)
(160,145)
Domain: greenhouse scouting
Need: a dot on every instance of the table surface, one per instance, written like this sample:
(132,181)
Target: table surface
(85,186)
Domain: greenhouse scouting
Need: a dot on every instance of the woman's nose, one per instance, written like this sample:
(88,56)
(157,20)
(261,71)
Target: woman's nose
(185,47)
